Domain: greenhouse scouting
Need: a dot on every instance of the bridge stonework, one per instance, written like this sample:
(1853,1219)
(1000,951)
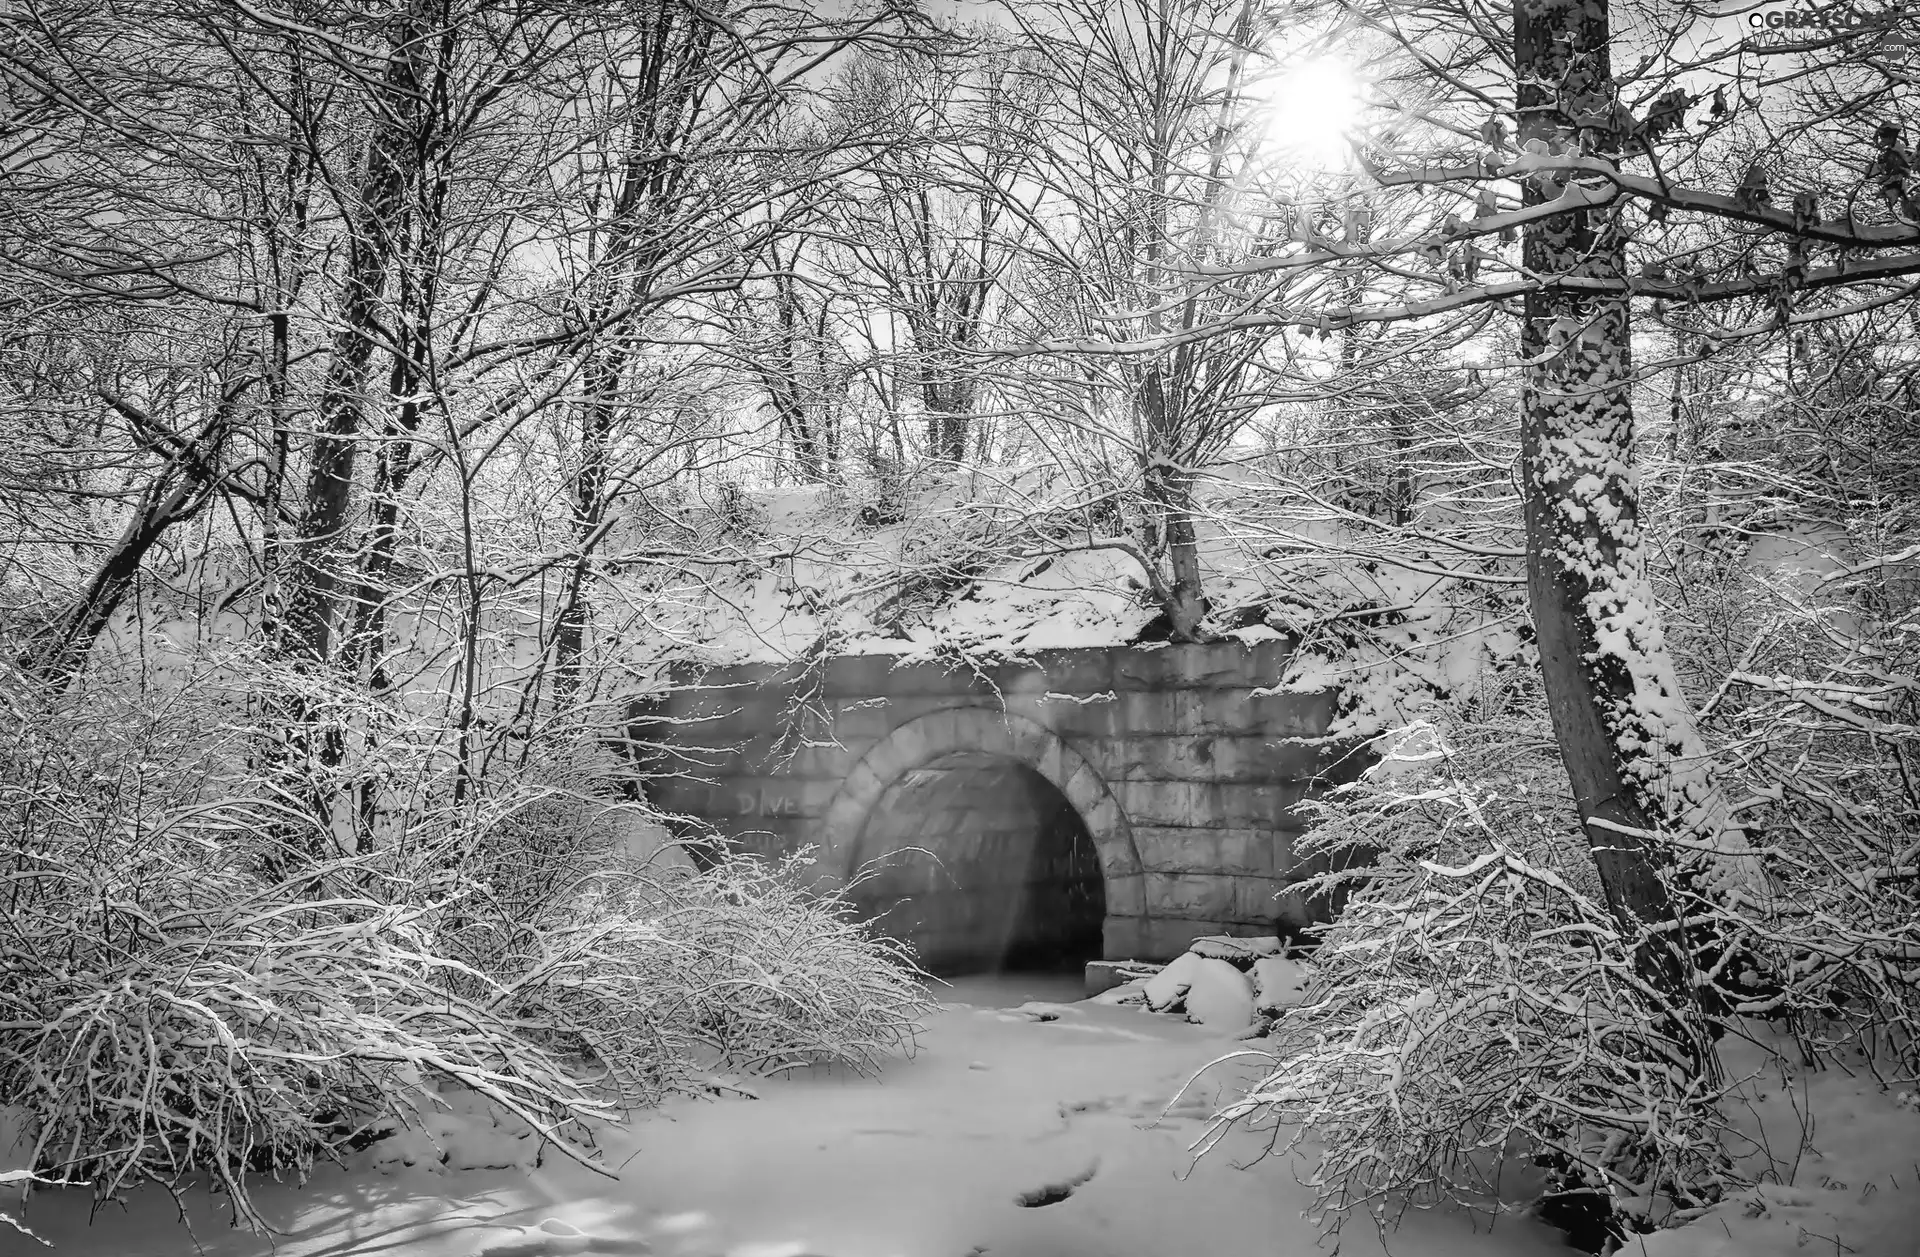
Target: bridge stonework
(1180,769)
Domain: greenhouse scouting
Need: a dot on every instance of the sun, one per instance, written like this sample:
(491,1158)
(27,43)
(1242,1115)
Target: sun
(1310,109)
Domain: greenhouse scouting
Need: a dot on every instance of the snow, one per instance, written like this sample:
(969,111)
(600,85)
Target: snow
(1231,984)
(1220,996)
(464,1133)
(1279,983)
(956,566)
(1848,1148)
(1031,1124)
(928,1160)
(1169,986)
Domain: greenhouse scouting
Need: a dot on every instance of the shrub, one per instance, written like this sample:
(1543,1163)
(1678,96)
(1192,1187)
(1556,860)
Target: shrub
(1475,992)
(169,1005)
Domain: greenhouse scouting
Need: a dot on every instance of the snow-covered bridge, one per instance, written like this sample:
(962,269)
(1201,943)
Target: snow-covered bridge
(1093,803)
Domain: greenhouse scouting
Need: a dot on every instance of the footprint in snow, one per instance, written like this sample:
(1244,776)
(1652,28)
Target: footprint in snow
(1054,1193)
(554,1238)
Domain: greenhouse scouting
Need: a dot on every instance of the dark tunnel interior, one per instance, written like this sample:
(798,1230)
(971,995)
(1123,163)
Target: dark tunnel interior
(983,866)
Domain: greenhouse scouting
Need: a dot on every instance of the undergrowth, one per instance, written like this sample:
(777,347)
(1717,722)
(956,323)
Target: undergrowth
(199,978)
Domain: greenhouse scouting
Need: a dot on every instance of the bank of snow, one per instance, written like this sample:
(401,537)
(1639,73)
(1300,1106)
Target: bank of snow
(991,565)
(1030,1125)
(1015,1098)
(1845,1156)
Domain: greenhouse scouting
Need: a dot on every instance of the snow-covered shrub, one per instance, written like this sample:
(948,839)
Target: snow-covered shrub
(662,974)
(195,977)
(169,1006)
(1474,994)
(1820,715)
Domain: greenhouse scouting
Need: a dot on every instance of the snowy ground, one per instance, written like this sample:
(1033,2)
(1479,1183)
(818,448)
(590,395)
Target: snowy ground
(927,1161)
(1020,1092)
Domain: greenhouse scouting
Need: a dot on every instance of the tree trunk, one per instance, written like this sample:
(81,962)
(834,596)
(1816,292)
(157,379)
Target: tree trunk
(598,413)
(1169,492)
(1632,754)
(374,228)
(948,400)
(59,651)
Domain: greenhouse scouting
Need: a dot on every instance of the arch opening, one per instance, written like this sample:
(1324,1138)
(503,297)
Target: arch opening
(983,865)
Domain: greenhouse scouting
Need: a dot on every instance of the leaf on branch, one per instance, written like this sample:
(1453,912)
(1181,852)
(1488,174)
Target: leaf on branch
(1806,209)
(1669,113)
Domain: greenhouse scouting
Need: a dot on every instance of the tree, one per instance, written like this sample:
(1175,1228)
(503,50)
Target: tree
(1146,182)
(932,225)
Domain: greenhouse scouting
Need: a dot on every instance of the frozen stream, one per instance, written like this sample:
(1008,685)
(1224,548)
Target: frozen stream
(932,1159)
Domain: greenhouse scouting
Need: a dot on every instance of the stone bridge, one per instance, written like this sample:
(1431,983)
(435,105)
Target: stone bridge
(1093,803)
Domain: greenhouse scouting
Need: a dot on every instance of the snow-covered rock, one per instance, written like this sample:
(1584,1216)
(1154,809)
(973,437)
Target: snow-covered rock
(1168,988)
(1220,996)
(1278,983)
(1132,992)
(1237,951)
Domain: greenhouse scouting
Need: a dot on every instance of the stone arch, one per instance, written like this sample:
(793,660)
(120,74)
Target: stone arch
(981,730)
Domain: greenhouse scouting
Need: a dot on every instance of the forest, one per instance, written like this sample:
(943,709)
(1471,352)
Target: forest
(394,391)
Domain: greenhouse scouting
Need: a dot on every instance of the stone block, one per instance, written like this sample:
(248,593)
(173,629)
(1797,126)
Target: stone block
(1162,938)
(821,762)
(1194,895)
(1292,760)
(1144,668)
(1172,758)
(756,714)
(1083,780)
(1076,721)
(859,727)
(1267,661)
(1211,665)
(1208,850)
(930,678)
(856,676)
(1077,671)
(1010,679)
(1149,712)
(1243,713)
(1126,894)
(1293,715)
(1123,937)
(1244,805)
(1255,760)
(1152,803)
(1214,665)
(1104,975)
(1255,898)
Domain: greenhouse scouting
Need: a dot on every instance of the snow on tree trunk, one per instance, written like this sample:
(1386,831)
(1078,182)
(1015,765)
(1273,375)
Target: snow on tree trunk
(1632,752)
